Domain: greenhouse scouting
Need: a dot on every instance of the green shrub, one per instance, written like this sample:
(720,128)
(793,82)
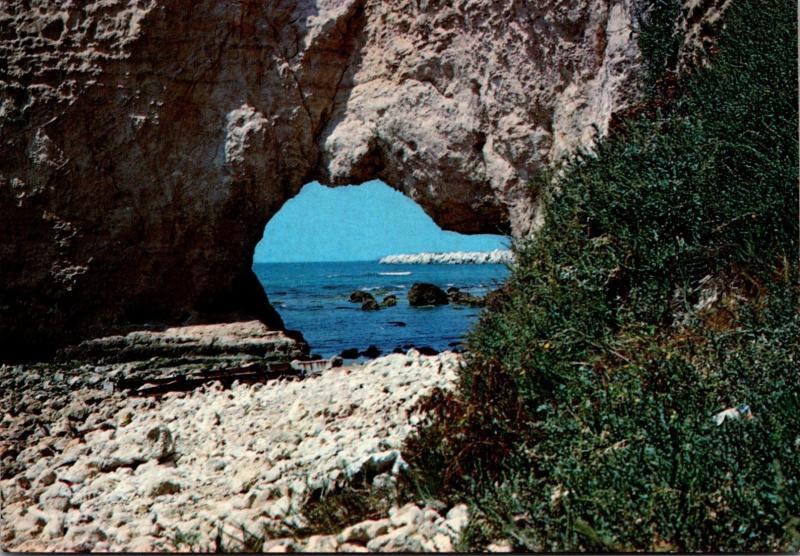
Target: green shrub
(584,413)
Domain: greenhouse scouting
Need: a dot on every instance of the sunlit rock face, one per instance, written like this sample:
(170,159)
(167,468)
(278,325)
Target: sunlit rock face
(145,143)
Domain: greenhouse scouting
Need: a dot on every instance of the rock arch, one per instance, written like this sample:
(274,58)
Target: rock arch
(146,144)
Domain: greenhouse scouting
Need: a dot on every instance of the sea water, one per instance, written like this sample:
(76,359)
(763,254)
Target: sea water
(314,299)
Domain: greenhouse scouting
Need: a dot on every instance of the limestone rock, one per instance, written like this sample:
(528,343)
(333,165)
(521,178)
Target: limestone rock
(236,338)
(159,443)
(458,518)
(352,548)
(407,515)
(364,531)
(500,546)
(147,143)
(397,540)
(321,544)
(56,497)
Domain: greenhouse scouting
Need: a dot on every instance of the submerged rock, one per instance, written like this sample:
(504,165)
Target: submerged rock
(389,301)
(422,294)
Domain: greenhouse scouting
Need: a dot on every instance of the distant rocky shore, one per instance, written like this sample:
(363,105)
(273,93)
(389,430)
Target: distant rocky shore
(166,437)
(498,256)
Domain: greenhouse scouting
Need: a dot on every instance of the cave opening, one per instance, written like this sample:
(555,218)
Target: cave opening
(327,243)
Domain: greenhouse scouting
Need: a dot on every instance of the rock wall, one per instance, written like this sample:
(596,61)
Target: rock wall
(146,143)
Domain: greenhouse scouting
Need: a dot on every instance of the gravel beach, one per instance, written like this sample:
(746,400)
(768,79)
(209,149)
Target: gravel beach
(88,468)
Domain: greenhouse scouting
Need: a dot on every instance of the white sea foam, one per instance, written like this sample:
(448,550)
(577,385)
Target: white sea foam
(394,273)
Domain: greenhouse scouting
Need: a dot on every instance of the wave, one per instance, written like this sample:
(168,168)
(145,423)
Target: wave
(394,273)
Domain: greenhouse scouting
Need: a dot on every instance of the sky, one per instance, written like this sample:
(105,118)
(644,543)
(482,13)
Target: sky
(358,223)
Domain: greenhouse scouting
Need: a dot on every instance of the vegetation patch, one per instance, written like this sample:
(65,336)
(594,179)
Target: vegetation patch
(330,513)
(661,291)
(325,513)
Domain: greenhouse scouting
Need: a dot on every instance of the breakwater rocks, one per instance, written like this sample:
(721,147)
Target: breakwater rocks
(86,466)
(498,256)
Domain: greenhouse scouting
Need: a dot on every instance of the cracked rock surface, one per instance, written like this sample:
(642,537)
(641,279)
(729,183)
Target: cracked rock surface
(88,469)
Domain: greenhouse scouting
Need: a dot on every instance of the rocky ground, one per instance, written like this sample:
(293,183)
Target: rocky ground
(87,465)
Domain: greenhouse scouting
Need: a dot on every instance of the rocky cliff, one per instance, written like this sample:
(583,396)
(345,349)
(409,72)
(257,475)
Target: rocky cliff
(146,143)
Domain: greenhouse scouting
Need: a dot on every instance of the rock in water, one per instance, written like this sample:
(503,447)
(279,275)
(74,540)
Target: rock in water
(422,294)
(360,296)
(389,301)
(146,143)
(463,298)
(370,305)
(371,351)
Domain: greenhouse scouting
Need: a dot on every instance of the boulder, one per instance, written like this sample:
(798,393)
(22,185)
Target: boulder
(370,305)
(371,351)
(422,294)
(364,531)
(360,296)
(160,444)
(350,353)
(464,298)
(389,301)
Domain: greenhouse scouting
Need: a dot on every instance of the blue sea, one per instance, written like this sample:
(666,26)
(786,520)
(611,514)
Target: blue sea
(313,298)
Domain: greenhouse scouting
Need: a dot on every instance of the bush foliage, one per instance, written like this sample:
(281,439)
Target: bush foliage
(661,290)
